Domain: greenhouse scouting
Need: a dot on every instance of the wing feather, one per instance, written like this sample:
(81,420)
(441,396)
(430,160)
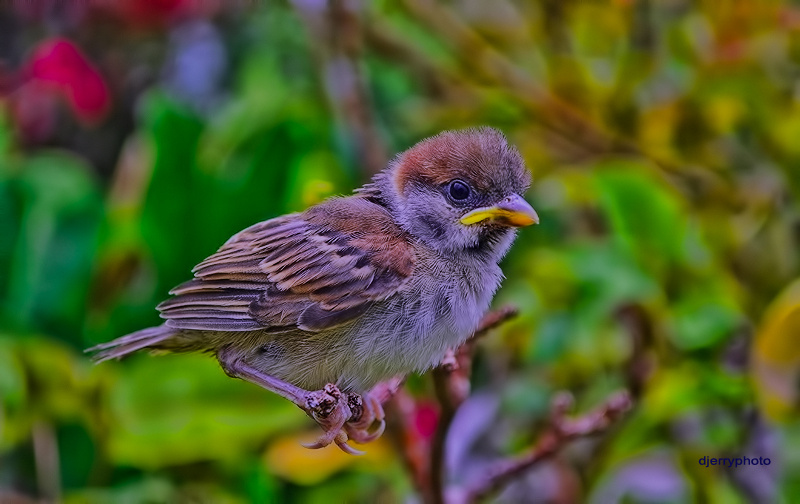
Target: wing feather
(310,271)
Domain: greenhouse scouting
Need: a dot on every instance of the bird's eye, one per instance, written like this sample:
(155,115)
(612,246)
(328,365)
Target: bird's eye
(459,190)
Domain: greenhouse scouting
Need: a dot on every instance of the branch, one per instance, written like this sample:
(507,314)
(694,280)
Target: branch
(46,460)
(425,458)
(413,447)
(640,365)
(451,382)
(337,32)
(561,432)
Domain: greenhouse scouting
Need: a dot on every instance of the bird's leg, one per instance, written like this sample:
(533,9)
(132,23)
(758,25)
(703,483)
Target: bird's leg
(329,407)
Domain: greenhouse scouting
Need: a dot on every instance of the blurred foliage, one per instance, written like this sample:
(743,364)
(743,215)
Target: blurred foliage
(663,139)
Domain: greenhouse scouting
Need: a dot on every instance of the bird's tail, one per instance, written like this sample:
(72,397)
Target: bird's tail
(120,347)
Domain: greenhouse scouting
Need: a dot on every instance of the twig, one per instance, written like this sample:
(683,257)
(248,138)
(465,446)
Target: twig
(451,378)
(562,431)
(451,388)
(492,320)
(425,460)
(481,59)
(385,390)
(46,460)
(413,447)
(636,321)
(451,382)
(337,29)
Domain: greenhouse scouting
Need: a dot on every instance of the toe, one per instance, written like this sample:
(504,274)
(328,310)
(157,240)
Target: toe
(363,436)
(341,442)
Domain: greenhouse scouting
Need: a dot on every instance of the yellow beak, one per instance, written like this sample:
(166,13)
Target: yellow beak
(512,211)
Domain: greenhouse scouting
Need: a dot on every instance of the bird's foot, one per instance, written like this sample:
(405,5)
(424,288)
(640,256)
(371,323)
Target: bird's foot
(367,410)
(344,416)
(330,408)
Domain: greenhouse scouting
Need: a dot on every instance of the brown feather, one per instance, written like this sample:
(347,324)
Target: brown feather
(482,157)
(310,271)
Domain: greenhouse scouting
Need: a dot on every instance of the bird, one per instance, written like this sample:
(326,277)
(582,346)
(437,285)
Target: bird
(325,305)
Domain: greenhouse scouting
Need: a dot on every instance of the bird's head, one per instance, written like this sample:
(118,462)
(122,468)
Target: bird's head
(459,191)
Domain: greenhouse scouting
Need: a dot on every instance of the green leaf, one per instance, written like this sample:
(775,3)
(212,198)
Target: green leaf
(53,251)
(179,409)
(645,216)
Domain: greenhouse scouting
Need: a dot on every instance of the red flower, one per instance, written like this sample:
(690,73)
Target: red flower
(159,14)
(65,71)
(426,418)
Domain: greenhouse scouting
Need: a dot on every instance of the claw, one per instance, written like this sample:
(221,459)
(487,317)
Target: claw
(324,440)
(340,439)
(361,436)
(316,445)
(379,431)
(350,450)
(341,442)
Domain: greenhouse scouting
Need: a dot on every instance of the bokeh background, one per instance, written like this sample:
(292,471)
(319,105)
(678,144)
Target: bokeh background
(664,140)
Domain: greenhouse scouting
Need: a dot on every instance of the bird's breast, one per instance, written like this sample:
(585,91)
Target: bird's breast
(412,330)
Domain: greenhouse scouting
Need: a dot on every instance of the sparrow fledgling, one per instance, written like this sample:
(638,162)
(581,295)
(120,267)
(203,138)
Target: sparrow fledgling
(321,306)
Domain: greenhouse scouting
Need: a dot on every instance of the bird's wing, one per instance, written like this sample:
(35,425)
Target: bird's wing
(310,271)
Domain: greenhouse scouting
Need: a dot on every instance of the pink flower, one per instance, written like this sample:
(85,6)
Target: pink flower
(59,66)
